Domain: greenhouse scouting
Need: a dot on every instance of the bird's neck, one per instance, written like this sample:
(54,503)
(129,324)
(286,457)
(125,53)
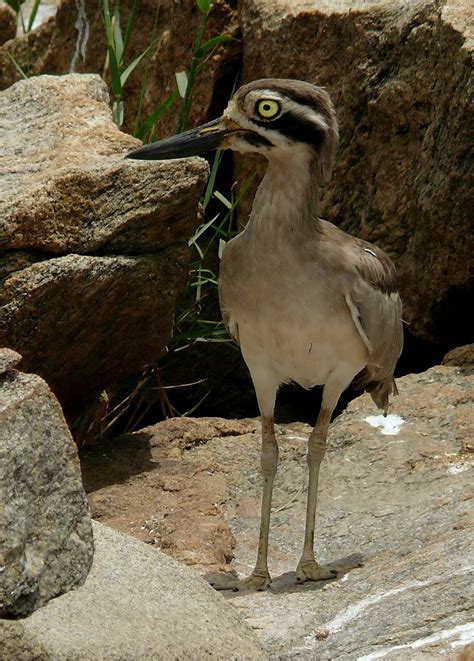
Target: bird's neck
(287,201)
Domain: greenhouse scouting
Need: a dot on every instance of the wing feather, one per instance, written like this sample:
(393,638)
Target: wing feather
(376,308)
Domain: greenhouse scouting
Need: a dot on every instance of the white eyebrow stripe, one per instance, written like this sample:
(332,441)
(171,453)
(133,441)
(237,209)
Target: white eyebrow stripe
(296,108)
(306,113)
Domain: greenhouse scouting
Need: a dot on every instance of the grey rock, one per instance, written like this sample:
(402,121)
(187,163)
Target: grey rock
(136,604)
(9,359)
(394,517)
(74,41)
(400,75)
(94,246)
(46,544)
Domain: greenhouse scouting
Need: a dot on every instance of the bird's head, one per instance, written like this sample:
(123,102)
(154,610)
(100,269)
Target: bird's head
(280,119)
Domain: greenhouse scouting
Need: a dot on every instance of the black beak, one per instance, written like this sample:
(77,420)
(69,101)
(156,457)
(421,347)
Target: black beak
(191,143)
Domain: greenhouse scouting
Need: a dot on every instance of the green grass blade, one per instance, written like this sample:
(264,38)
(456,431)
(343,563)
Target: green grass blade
(117,111)
(212,43)
(115,73)
(109,34)
(204,6)
(212,178)
(222,199)
(14,4)
(126,73)
(118,40)
(132,20)
(34,11)
(17,66)
(156,115)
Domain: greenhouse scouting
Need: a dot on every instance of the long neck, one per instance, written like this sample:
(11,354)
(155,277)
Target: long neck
(286,204)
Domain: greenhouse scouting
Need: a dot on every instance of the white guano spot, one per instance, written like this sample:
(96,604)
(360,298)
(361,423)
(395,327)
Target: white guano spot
(390,424)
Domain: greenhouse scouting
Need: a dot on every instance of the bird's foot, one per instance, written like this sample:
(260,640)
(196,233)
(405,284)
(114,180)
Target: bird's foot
(309,570)
(255,582)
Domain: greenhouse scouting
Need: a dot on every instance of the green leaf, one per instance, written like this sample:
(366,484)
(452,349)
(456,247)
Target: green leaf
(14,4)
(212,178)
(126,73)
(155,116)
(108,24)
(182,83)
(204,6)
(118,40)
(33,13)
(223,199)
(117,111)
(17,66)
(132,19)
(115,73)
(212,43)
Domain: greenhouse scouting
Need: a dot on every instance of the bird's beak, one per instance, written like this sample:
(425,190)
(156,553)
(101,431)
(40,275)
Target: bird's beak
(191,143)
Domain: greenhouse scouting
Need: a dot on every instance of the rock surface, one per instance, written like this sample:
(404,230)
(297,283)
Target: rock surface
(400,75)
(395,516)
(136,604)
(74,41)
(46,544)
(461,357)
(94,247)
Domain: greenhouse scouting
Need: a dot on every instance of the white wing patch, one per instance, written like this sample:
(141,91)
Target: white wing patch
(356,319)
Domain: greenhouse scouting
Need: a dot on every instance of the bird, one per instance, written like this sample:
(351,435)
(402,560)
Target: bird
(306,302)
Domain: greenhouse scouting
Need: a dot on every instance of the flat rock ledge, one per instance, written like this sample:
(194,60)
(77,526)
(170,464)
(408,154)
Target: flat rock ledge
(136,604)
(395,517)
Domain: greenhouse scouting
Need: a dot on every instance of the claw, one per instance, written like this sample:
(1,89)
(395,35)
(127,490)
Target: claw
(259,583)
(311,571)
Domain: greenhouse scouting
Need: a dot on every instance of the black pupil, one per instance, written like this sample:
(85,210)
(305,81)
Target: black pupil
(267,107)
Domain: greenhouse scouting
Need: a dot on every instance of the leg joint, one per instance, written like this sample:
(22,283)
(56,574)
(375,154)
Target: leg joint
(316,448)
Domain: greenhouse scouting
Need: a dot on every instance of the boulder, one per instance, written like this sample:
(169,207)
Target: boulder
(7,22)
(394,518)
(74,41)
(94,246)
(136,604)
(46,544)
(460,357)
(400,75)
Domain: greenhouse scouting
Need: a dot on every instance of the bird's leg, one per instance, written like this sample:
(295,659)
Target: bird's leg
(308,569)
(260,579)
(269,462)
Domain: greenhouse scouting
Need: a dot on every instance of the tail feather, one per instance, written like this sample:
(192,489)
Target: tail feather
(380,391)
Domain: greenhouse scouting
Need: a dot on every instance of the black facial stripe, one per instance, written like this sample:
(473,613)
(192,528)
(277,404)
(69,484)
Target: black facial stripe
(303,99)
(295,127)
(256,139)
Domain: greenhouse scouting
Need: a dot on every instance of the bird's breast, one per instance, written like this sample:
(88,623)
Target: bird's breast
(287,315)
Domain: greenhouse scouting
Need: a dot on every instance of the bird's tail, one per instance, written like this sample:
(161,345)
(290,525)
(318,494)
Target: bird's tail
(380,391)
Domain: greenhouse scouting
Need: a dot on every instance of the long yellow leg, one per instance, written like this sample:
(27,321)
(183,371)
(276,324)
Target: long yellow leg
(308,568)
(260,579)
(269,462)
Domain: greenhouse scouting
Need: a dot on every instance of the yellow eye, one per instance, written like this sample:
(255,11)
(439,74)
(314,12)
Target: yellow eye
(268,108)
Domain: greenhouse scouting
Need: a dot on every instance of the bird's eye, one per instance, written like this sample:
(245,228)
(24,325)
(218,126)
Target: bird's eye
(268,108)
